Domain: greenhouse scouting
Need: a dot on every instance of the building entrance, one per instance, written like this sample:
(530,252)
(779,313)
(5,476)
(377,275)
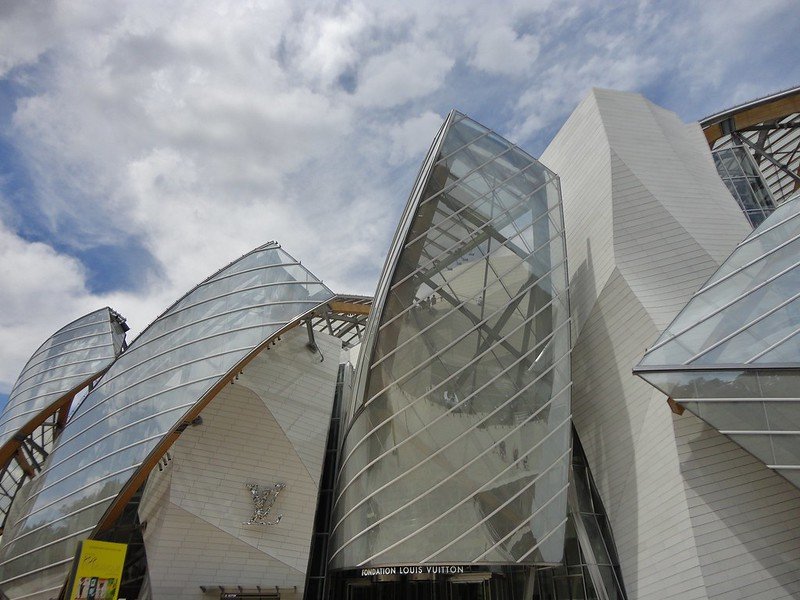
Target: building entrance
(482,585)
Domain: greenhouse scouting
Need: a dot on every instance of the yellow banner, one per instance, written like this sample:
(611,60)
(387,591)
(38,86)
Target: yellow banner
(99,570)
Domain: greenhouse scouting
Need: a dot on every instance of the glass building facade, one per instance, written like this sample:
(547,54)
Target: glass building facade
(142,404)
(40,401)
(744,181)
(457,447)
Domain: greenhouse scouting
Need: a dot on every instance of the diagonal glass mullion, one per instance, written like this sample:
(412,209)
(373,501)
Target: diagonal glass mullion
(216,315)
(772,347)
(23,554)
(167,351)
(239,291)
(543,342)
(510,499)
(105,319)
(508,311)
(46,567)
(75,453)
(500,185)
(725,306)
(435,288)
(455,341)
(747,265)
(65,353)
(457,305)
(461,179)
(217,278)
(49,381)
(138,442)
(58,339)
(50,357)
(139,382)
(69,341)
(543,540)
(522,524)
(237,310)
(468,497)
(60,366)
(61,518)
(474,241)
(464,146)
(744,327)
(467,464)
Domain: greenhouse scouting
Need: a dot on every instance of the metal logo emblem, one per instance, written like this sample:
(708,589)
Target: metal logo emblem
(263,500)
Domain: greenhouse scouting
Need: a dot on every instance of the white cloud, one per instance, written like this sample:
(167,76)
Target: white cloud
(203,129)
(501,51)
(412,137)
(411,70)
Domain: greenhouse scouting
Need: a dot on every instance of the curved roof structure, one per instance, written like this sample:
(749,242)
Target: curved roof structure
(39,403)
(732,357)
(458,445)
(143,403)
(769,128)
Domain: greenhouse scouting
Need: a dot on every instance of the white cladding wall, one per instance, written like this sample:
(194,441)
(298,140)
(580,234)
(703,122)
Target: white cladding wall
(647,221)
(270,426)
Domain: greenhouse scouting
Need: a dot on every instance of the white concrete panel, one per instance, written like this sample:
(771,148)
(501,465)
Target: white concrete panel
(197,507)
(298,397)
(647,221)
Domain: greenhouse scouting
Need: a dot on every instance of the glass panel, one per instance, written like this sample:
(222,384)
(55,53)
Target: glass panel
(759,446)
(745,416)
(787,449)
(465,413)
(783,416)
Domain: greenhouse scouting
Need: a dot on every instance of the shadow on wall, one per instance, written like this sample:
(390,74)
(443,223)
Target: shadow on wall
(598,405)
(748,512)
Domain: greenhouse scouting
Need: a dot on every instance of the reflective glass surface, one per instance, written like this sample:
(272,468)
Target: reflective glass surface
(590,568)
(744,181)
(74,354)
(748,309)
(177,360)
(459,448)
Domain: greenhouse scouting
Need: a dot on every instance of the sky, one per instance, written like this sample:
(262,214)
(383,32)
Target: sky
(145,144)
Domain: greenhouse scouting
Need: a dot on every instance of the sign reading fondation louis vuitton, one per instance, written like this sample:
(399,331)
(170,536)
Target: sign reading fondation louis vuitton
(414,570)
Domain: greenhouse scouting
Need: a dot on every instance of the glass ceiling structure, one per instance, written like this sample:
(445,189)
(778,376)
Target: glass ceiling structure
(732,356)
(143,403)
(756,147)
(39,403)
(458,443)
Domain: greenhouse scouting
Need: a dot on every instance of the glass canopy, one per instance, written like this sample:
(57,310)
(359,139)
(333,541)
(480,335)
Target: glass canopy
(40,400)
(732,356)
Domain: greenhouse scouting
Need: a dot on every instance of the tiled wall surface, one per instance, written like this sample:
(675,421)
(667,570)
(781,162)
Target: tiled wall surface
(648,221)
(268,427)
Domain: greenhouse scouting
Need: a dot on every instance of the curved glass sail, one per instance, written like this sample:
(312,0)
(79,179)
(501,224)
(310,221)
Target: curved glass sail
(458,450)
(732,355)
(40,400)
(176,363)
(66,362)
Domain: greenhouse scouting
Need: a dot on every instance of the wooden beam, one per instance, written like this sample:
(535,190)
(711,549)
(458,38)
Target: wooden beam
(23,462)
(770,111)
(349,307)
(675,407)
